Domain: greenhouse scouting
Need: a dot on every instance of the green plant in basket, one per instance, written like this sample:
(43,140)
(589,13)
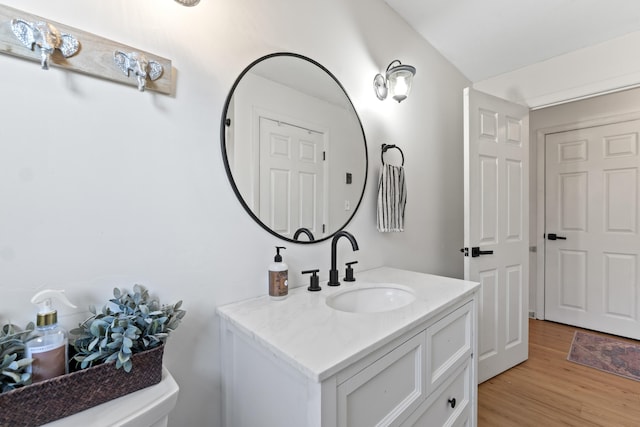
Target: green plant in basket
(128,324)
(13,364)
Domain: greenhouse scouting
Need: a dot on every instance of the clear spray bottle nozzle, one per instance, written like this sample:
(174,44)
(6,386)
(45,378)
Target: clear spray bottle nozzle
(43,300)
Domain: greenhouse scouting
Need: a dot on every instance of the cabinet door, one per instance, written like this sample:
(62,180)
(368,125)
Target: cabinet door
(449,344)
(450,405)
(386,391)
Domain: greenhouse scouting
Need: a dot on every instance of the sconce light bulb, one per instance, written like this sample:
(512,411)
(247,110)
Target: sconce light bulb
(400,89)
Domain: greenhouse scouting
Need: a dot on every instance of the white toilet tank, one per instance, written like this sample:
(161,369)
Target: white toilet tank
(147,407)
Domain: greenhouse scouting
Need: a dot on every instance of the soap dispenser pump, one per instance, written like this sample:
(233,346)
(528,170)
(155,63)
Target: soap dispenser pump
(278,277)
(49,347)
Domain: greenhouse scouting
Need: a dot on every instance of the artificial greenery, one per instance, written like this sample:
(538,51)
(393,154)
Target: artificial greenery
(13,363)
(128,324)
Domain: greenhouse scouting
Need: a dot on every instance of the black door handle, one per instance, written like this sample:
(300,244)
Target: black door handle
(554,236)
(475,252)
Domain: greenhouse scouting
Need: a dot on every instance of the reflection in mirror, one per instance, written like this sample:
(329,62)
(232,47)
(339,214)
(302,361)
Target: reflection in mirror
(294,148)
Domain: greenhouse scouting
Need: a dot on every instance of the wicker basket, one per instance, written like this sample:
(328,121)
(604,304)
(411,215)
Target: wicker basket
(66,395)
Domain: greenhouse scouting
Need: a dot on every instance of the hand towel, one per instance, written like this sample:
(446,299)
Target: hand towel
(392,198)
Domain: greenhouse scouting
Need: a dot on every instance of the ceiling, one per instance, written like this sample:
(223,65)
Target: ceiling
(486,38)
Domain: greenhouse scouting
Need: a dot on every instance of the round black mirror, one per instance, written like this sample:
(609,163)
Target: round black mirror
(294,148)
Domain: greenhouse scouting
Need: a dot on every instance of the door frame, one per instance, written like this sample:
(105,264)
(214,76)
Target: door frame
(540,156)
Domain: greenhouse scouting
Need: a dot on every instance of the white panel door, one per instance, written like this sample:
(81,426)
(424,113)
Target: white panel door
(496,216)
(591,225)
(291,178)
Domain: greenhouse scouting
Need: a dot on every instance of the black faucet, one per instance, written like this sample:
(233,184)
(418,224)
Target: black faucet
(302,230)
(333,273)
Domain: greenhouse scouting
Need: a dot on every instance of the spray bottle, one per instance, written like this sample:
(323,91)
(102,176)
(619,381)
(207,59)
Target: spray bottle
(49,348)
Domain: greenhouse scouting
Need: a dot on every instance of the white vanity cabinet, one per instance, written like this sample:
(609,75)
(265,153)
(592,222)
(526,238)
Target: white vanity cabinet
(425,381)
(424,374)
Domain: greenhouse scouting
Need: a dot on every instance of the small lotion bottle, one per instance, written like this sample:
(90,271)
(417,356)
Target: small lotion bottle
(278,277)
(49,348)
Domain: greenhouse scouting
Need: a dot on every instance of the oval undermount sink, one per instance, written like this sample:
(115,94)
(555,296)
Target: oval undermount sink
(373,298)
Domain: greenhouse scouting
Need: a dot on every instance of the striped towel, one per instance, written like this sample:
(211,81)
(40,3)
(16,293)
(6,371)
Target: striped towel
(392,198)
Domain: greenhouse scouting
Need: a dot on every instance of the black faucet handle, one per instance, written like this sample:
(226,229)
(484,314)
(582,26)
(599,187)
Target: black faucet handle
(314,280)
(348,274)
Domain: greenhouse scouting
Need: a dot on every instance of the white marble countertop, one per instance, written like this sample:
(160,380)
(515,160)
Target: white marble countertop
(319,341)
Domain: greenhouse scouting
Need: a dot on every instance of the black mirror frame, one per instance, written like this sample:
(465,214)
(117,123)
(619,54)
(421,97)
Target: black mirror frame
(227,167)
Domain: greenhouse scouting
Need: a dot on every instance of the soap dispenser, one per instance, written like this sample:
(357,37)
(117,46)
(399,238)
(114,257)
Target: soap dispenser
(278,277)
(49,347)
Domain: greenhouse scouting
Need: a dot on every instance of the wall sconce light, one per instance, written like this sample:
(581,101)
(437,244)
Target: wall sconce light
(188,2)
(396,81)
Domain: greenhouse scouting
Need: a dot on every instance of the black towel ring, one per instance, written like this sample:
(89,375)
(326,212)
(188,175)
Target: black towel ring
(385,147)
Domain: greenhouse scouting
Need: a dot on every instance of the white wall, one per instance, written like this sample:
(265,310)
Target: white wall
(605,67)
(103,186)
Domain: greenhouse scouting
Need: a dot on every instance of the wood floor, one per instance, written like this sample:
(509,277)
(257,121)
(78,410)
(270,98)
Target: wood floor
(547,390)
